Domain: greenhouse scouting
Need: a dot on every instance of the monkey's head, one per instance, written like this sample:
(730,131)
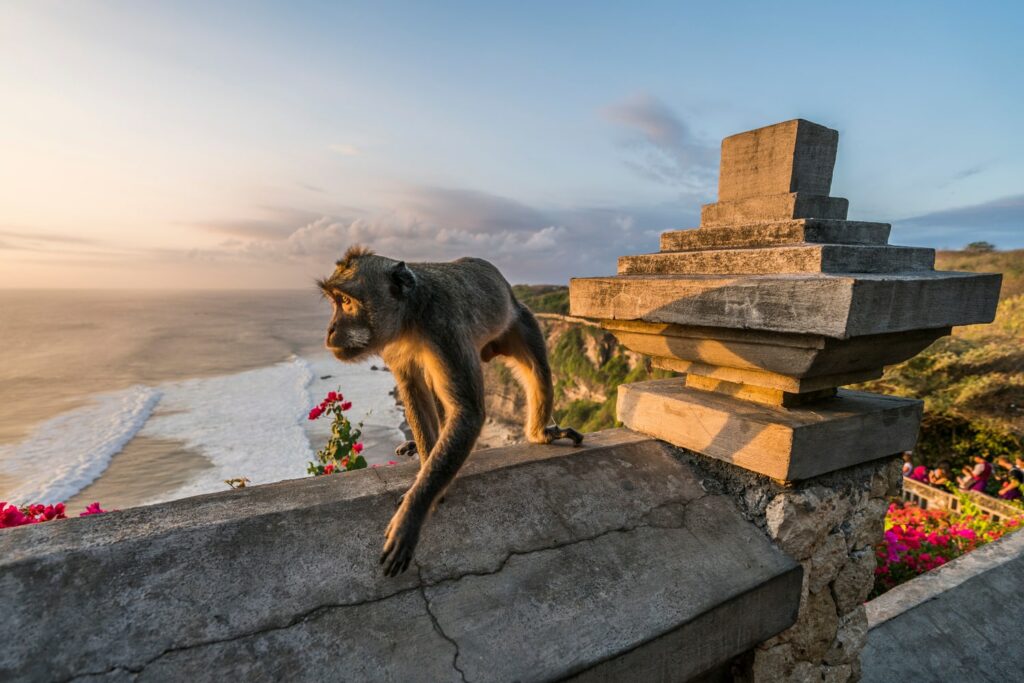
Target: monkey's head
(368,293)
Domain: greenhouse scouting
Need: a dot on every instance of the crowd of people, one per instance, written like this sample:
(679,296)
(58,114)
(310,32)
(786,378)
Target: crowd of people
(982,476)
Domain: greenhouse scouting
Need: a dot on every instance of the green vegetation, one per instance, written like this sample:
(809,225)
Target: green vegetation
(543,298)
(972,383)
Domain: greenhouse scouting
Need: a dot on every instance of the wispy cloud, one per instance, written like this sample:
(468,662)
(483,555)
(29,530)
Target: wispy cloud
(664,146)
(345,149)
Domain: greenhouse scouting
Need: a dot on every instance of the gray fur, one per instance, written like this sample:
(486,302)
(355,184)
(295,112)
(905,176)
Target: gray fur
(433,323)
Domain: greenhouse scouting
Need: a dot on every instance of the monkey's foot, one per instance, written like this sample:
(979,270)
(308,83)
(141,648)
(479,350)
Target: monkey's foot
(407,449)
(400,540)
(555,433)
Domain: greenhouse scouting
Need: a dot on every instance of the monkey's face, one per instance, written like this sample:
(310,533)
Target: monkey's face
(350,334)
(367,292)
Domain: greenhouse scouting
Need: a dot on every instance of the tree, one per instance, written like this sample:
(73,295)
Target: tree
(980,247)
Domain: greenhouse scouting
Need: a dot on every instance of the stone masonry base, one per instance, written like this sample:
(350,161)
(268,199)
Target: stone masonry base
(829,524)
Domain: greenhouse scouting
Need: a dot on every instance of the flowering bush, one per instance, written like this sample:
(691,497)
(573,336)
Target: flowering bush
(11,515)
(918,540)
(343,450)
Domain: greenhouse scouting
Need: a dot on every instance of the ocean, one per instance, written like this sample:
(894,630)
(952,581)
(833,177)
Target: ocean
(137,398)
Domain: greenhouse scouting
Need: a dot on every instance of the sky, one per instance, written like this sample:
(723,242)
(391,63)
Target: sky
(247,144)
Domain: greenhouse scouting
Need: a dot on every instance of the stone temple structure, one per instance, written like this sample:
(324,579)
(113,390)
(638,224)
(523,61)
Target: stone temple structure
(727,534)
(770,306)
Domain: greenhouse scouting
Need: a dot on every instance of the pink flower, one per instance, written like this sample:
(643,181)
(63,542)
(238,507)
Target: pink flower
(92,509)
(392,462)
(358,448)
(346,405)
(315,413)
(333,396)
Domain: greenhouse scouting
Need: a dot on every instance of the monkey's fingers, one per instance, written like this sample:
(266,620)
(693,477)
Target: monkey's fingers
(407,448)
(555,433)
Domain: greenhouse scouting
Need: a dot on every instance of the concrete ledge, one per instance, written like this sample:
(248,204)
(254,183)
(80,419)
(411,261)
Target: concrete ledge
(544,562)
(788,444)
(962,618)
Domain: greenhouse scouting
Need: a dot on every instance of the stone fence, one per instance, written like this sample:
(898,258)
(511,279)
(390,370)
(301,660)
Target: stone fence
(927,496)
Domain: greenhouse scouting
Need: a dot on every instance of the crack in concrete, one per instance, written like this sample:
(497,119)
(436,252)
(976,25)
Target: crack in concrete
(437,625)
(308,615)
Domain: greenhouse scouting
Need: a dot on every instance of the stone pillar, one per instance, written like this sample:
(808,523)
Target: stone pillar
(768,308)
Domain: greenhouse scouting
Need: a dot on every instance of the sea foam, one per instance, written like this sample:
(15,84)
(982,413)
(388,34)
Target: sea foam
(68,452)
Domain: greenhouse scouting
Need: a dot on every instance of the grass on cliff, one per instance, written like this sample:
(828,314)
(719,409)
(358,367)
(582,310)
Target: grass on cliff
(972,382)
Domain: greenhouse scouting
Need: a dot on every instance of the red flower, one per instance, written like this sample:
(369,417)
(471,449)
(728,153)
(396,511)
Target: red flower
(346,405)
(92,509)
(315,413)
(344,462)
(392,462)
(329,468)
(358,448)
(333,396)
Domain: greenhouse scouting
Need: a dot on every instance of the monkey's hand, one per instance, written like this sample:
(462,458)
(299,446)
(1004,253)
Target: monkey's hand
(556,432)
(407,448)
(400,539)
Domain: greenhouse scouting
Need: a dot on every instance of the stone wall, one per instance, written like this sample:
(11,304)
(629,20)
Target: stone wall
(829,524)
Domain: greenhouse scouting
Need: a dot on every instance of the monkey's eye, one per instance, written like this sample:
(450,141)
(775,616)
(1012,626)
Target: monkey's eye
(346,303)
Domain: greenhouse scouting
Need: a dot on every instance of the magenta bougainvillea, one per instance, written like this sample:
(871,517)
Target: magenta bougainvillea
(917,540)
(11,515)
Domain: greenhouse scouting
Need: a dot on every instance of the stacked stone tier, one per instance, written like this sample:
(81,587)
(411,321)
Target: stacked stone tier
(797,258)
(777,233)
(840,306)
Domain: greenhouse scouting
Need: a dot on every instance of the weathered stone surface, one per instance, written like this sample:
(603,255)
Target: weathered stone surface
(792,156)
(826,561)
(778,233)
(865,526)
(801,258)
(787,444)
(778,360)
(771,208)
(616,547)
(851,637)
(854,581)
(815,628)
(800,520)
(837,306)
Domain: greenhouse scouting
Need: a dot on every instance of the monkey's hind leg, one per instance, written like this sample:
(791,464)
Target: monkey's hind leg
(524,344)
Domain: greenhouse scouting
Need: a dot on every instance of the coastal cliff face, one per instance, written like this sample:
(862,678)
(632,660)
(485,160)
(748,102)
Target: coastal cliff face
(587,363)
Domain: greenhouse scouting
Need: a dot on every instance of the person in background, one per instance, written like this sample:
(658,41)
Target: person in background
(975,478)
(1018,465)
(941,475)
(920,473)
(908,463)
(1010,489)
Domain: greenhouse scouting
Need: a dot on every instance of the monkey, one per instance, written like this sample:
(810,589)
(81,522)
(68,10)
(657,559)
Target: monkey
(434,324)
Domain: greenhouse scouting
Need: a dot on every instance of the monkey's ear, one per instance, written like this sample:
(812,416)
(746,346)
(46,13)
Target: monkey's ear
(402,280)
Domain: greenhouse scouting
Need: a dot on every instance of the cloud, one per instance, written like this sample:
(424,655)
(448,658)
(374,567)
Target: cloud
(439,224)
(345,149)
(35,237)
(1000,221)
(664,146)
(277,223)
